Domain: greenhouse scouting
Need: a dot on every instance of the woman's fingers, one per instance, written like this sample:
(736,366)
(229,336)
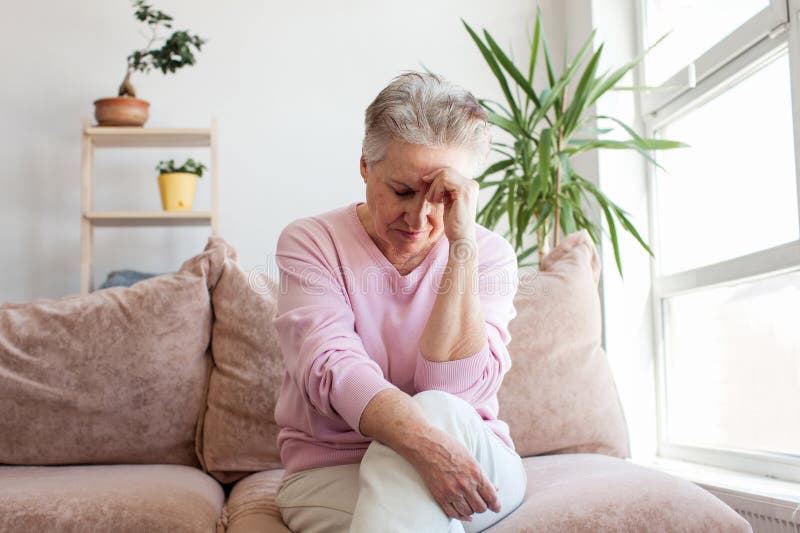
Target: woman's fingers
(430,175)
(476,502)
(431,194)
(439,187)
(451,511)
(457,481)
(464,511)
(489,495)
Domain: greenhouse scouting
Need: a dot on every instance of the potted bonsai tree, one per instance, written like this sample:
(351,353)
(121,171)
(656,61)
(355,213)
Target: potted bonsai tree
(178,184)
(175,52)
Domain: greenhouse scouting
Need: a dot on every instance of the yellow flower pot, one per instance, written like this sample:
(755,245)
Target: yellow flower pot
(177,190)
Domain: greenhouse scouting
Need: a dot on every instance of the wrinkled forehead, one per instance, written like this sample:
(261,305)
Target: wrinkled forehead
(408,178)
(403,173)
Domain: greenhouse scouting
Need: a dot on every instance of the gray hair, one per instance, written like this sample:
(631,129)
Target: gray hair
(425,109)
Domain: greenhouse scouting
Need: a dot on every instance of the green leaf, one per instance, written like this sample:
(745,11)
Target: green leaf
(583,145)
(567,223)
(543,215)
(487,103)
(509,125)
(523,218)
(537,28)
(618,211)
(527,252)
(516,75)
(566,167)
(577,107)
(630,229)
(499,151)
(511,207)
(490,60)
(612,230)
(496,213)
(556,89)
(545,169)
(611,80)
(482,212)
(496,167)
(551,77)
(646,144)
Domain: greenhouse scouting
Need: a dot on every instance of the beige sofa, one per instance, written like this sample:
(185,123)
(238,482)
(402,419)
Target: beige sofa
(150,408)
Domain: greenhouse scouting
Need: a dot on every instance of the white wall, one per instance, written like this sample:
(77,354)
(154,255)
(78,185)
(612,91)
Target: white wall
(288,82)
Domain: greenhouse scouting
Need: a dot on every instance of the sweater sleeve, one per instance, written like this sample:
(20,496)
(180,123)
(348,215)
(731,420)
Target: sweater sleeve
(324,355)
(477,378)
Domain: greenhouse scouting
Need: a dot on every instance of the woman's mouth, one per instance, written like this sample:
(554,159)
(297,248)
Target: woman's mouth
(411,236)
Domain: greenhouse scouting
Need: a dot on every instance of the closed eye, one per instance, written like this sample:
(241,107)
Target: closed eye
(403,193)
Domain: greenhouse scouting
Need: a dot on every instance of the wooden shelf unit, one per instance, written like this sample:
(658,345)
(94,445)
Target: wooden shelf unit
(136,137)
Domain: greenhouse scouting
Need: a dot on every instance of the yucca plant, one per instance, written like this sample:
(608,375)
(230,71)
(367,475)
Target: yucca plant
(539,190)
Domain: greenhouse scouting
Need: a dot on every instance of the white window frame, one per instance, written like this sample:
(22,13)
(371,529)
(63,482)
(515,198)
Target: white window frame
(770,20)
(771,32)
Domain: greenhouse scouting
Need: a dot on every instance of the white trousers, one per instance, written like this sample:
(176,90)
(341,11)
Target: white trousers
(384,493)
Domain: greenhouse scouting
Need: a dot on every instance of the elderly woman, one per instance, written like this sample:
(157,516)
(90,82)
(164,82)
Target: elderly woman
(393,320)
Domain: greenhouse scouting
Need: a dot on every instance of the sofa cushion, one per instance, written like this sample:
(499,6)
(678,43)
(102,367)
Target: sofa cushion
(559,395)
(589,493)
(251,505)
(120,498)
(595,493)
(240,433)
(115,376)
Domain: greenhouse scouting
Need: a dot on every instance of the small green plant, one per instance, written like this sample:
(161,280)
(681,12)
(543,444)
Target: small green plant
(191,166)
(175,53)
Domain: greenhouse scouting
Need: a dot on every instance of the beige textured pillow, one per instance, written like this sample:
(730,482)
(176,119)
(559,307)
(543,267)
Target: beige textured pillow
(559,395)
(115,376)
(239,432)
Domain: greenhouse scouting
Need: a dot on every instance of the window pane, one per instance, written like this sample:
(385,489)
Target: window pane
(733,366)
(734,191)
(694,26)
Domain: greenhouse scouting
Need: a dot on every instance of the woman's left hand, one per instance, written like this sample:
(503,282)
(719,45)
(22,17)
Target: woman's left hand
(460,197)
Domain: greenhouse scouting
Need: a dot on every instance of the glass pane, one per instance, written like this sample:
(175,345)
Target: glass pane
(733,366)
(734,191)
(694,26)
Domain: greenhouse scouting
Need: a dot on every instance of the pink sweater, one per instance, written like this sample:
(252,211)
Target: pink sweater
(349,326)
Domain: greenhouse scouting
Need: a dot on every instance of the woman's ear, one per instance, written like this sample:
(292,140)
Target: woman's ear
(363,168)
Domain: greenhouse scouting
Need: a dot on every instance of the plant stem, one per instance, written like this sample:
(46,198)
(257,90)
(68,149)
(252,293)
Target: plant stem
(126,87)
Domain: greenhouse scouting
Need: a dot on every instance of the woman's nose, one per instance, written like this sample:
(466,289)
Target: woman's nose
(417,215)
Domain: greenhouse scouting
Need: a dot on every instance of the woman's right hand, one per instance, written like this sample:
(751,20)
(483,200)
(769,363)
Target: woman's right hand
(455,479)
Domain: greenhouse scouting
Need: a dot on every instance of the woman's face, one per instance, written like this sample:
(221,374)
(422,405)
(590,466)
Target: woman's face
(405,224)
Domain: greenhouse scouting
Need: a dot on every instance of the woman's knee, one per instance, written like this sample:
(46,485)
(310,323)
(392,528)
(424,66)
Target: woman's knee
(438,397)
(441,407)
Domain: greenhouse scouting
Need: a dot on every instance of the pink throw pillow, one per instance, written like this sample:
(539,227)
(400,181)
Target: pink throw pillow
(240,434)
(115,376)
(559,395)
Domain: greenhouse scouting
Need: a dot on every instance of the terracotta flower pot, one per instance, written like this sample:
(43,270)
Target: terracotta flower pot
(121,111)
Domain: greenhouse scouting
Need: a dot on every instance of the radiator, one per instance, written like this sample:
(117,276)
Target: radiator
(765,514)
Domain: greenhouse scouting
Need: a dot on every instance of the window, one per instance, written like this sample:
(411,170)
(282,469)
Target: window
(726,231)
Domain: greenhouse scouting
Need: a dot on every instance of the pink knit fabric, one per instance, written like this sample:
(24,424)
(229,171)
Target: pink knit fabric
(349,327)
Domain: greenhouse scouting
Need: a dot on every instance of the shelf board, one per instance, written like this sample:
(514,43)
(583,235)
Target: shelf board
(127,136)
(148,218)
